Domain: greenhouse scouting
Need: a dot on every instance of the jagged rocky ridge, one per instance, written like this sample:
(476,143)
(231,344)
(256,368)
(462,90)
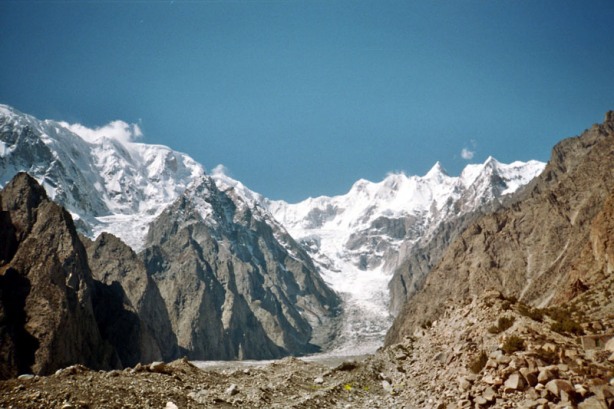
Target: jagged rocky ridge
(98,304)
(532,249)
(259,296)
(105,179)
(236,285)
(356,241)
(47,294)
(130,310)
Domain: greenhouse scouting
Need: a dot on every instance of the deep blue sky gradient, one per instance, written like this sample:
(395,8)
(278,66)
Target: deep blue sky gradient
(302,98)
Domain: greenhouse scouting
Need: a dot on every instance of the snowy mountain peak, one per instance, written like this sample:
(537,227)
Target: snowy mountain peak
(436,172)
(105,179)
(112,182)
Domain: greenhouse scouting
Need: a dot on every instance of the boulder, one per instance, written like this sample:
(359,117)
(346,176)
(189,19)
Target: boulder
(529,376)
(515,382)
(545,376)
(560,388)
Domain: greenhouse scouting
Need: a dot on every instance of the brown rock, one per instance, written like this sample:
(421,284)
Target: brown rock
(529,376)
(489,394)
(565,202)
(544,376)
(515,382)
(45,287)
(560,388)
(592,403)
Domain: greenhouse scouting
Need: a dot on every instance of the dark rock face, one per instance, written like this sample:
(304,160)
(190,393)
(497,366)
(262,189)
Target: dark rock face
(531,248)
(63,303)
(227,284)
(46,315)
(128,306)
(236,285)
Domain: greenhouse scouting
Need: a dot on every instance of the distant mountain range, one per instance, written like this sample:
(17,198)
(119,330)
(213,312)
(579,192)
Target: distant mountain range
(228,273)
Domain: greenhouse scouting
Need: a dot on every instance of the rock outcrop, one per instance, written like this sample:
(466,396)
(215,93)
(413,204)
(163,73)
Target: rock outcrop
(128,305)
(63,302)
(485,353)
(236,285)
(47,319)
(529,249)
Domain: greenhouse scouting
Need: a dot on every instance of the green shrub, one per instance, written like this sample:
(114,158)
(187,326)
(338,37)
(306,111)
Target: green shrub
(567,325)
(557,314)
(478,362)
(563,321)
(513,344)
(549,356)
(534,313)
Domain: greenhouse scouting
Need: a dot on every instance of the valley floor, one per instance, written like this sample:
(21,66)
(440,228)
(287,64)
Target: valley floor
(464,360)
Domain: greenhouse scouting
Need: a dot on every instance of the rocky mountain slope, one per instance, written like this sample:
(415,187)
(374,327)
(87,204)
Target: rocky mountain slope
(236,285)
(218,279)
(538,246)
(483,352)
(366,242)
(129,306)
(47,318)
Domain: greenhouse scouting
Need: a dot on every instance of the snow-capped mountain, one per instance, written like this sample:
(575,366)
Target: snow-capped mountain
(365,225)
(359,238)
(110,182)
(103,177)
(235,285)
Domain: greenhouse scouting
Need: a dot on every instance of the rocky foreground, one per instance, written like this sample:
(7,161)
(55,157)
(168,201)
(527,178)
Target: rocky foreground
(486,352)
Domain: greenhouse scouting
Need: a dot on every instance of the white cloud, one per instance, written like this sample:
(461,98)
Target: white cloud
(118,130)
(467,154)
(220,170)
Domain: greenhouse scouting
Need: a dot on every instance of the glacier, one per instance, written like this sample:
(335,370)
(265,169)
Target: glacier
(355,238)
(111,182)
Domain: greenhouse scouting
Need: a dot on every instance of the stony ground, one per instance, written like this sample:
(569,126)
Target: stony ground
(488,352)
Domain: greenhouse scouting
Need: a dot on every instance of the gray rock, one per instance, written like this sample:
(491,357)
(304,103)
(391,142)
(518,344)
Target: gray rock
(159,367)
(388,387)
(246,289)
(232,390)
(25,377)
(199,396)
(319,380)
(489,394)
(464,384)
(128,304)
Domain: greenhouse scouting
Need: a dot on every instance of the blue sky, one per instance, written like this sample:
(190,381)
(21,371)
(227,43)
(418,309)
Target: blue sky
(302,98)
